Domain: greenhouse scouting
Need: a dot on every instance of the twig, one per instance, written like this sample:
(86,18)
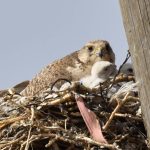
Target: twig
(29,133)
(123,137)
(90,141)
(127,57)
(120,103)
(58,101)
(3,123)
(51,142)
(131,117)
(13,142)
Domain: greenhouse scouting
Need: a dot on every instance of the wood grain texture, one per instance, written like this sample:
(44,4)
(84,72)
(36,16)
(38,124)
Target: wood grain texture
(136,18)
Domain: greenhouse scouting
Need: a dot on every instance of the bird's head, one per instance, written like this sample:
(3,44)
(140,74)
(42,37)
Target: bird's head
(103,70)
(96,51)
(127,69)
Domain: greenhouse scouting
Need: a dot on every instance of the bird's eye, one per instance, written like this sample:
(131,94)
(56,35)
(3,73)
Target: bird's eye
(130,70)
(90,48)
(106,69)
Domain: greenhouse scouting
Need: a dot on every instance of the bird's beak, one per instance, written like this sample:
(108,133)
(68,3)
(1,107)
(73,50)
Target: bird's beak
(102,53)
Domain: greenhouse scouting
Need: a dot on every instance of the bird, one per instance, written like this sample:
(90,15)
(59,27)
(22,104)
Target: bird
(127,87)
(11,97)
(71,67)
(127,69)
(116,89)
(18,88)
(100,72)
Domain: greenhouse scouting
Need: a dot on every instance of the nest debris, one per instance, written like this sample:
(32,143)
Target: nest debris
(52,121)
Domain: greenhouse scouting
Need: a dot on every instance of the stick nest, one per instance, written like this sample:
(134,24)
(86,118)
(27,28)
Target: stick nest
(52,121)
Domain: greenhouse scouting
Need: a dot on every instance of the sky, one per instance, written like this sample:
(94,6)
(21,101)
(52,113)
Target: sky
(34,33)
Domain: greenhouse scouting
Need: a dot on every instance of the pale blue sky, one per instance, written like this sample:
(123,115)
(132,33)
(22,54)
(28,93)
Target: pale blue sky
(34,33)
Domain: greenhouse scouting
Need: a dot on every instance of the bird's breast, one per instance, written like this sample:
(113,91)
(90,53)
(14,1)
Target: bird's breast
(79,70)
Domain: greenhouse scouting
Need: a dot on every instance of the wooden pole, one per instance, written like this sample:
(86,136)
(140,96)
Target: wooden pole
(136,18)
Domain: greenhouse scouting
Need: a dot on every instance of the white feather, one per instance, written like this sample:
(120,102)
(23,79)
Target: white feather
(100,72)
(127,69)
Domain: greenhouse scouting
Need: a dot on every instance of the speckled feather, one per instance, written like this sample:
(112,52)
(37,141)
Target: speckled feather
(72,67)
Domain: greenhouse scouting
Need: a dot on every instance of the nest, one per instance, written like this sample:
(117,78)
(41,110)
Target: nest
(52,121)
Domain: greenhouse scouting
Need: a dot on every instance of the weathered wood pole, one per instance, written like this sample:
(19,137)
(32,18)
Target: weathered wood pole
(136,19)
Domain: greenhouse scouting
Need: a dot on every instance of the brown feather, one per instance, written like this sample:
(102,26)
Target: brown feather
(71,67)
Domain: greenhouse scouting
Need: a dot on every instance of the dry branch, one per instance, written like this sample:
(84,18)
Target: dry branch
(53,120)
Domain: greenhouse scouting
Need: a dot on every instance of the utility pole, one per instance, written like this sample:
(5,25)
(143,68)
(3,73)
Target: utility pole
(136,19)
